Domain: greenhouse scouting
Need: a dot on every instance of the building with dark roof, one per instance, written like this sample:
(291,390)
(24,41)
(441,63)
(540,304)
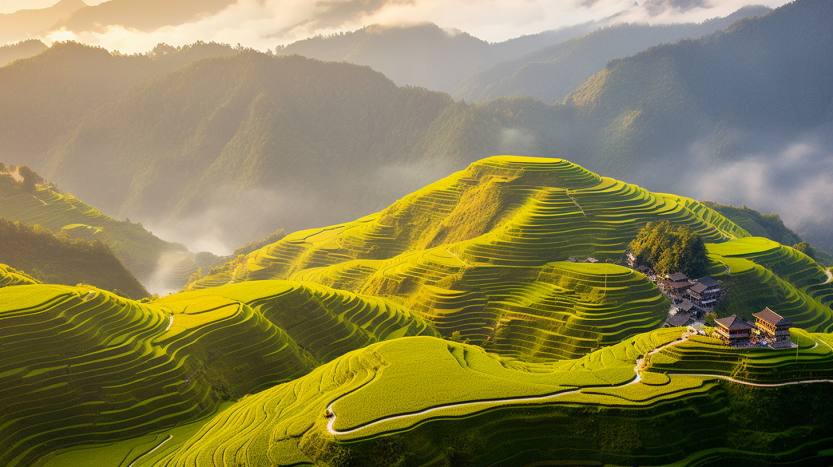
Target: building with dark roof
(678,319)
(734,330)
(774,327)
(675,285)
(705,293)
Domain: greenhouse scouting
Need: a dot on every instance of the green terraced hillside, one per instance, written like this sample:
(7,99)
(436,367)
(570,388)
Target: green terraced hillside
(79,365)
(481,254)
(10,276)
(60,260)
(39,203)
(758,272)
(425,400)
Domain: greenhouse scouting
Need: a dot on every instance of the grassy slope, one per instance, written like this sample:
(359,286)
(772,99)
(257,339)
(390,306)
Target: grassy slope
(117,369)
(61,260)
(286,424)
(138,249)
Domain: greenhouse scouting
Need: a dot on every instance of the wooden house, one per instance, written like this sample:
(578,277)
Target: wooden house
(773,327)
(704,293)
(734,330)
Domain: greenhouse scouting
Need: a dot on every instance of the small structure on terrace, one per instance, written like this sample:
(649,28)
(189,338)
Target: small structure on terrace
(704,294)
(773,327)
(734,330)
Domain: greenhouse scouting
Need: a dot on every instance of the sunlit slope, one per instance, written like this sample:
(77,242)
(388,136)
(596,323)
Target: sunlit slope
(60,212)
(503,210)
(10,276)
(433,401)
(758,272)
(480,254)
(80,366)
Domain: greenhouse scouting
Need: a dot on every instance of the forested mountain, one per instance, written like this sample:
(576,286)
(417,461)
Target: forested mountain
(754,100)
(62,260)
(236,146)
(25,49)
(25,24)
(25,197)
(551,73)
(425,55)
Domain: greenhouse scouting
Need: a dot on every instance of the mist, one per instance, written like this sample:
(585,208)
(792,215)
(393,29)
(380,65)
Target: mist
(793,179)
(265,24)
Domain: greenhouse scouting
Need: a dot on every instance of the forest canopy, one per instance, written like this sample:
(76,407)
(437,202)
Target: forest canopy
(667,248)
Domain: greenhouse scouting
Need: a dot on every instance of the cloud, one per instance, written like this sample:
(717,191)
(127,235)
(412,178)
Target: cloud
(264,24)
(794,180)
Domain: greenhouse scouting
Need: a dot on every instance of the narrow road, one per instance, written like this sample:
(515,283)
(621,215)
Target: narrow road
(829,273)
(488,403)
(167,438)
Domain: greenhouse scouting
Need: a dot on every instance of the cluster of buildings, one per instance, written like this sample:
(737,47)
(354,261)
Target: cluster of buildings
(691,298)
(770,329)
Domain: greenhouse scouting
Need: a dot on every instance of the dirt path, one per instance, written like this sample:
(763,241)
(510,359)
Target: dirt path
(639,367)
(488,403)
(829,273)
(167,438)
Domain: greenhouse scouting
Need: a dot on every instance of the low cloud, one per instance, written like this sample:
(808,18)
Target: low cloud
(794,180)
(264,24)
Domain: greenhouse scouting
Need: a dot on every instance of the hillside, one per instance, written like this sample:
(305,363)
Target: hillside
(255,130)
(483,254)
(61,260)
(18,51)
(159,264)
(461,301)
(117,369)
(551,73)
(457,404)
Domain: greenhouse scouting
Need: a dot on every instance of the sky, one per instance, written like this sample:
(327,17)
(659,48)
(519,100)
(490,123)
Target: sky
(263,24)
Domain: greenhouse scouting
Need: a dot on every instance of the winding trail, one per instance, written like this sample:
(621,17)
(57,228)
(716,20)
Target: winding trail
(829,273)
(167,438)
(639,367)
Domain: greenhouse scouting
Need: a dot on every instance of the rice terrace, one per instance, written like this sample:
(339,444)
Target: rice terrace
(324,245)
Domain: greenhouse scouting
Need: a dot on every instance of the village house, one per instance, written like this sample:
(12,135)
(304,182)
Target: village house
(773,327)
(704,293)
(734,331)
(675,286)
(679,319)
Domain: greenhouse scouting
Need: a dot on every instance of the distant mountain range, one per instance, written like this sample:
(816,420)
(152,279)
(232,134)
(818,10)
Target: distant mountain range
(551,73)
(233,143)
(424,54)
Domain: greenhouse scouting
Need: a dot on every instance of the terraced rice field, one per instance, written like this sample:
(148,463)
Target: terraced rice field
(10,276)
(81,366)
(758,272)
(481,254)
(428,400)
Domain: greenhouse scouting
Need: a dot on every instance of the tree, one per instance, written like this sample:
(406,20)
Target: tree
(667,248)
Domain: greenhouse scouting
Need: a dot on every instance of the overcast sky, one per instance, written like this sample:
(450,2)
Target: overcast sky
(265,23)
